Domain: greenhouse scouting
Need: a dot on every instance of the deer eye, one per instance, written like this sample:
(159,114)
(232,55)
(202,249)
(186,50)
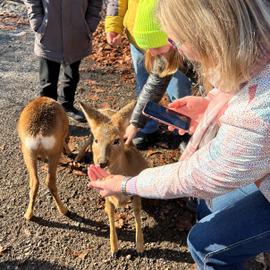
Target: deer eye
(116,142)
(95,141)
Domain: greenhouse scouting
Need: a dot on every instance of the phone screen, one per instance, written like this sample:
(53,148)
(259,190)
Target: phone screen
(166,116)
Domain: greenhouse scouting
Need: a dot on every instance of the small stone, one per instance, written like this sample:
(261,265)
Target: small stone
(128,257)
(27,254)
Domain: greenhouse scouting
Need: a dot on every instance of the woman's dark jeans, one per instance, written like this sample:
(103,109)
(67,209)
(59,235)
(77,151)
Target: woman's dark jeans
(235,228)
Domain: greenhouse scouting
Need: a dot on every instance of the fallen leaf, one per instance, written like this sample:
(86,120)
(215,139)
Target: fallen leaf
(104,105)
(64,160)
(94,97)
(109,98)
(2,250)
(7,27)
(100,90)
(91,82)
(81,254)
(152,152)
(79,173)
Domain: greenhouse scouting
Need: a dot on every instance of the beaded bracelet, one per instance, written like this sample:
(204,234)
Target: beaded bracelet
(124,184)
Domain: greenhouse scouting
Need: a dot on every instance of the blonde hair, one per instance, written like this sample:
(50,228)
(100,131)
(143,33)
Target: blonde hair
(231,37)
(163,65)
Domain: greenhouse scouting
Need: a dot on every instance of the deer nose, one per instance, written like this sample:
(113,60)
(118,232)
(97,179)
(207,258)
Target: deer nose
(102,165)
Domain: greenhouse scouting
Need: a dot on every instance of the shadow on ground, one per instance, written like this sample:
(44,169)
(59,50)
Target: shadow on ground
(32,265)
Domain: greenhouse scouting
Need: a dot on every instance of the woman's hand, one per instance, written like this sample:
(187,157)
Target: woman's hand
(96,173)
(193,107)
(109,185)
(130,133)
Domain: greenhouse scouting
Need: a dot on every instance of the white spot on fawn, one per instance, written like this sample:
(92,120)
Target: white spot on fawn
(32,143)
(48,142)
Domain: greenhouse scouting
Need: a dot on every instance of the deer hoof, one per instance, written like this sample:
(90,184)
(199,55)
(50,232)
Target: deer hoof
(140,251)
(140,254)
(63,210)
(115,255)
(28,215)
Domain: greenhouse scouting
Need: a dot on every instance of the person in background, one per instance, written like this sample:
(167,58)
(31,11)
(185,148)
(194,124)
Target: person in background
(229,43)
(63,37)
(122,15)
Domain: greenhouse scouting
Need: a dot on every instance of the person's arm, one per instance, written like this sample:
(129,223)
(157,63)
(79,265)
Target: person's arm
(153,90)
(35,13)
(93,14)
(115,13)
(236,157)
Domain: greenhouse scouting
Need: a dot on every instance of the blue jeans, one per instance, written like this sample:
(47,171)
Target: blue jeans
(179,86)
(236,228)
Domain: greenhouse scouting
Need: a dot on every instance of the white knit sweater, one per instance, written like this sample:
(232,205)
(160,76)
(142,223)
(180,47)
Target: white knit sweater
(237,156)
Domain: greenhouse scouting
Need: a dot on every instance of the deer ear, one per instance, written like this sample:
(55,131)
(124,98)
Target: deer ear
(93,117)
(122,117)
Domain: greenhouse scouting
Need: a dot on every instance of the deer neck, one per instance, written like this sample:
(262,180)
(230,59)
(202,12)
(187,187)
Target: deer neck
(119,165)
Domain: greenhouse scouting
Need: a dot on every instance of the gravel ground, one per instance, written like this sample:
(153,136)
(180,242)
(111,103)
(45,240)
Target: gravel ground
(80,241)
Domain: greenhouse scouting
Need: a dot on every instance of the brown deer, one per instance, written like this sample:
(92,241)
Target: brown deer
(111,153)
(43,129)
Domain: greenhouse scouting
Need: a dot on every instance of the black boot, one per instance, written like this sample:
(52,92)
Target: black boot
(143,140)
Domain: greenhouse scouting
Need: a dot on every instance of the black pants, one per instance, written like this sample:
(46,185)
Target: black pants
(49,75)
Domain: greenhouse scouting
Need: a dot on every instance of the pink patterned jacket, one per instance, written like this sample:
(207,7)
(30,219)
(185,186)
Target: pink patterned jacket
(239,154)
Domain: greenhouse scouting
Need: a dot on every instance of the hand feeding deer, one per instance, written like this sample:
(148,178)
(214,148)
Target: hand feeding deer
(43,129)
(110,152)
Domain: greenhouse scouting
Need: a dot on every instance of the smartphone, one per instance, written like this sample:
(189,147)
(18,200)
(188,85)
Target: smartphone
(166,116)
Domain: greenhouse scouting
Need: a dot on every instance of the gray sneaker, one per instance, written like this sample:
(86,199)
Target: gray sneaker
(75,114)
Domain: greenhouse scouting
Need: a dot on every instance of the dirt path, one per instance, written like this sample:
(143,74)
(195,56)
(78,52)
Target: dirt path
(79,242)
(50,241)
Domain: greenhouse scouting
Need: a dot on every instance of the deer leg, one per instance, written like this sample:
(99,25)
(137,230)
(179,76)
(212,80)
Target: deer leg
(83,148)
(66,148)
(137,206)
(31,164)
(51,183)
(109,209)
